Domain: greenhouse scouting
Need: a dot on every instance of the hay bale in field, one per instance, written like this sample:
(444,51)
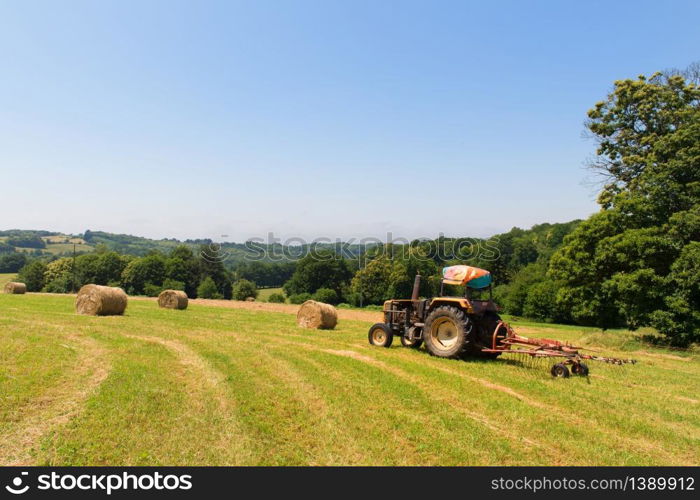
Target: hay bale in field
(173,299)
(250,299)
(15,287)
(314,314)
(98,300)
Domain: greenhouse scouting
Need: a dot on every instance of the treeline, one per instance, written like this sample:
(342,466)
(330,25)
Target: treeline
(180,269)
(388,271)
(264,274)
(234,254)
(326,273)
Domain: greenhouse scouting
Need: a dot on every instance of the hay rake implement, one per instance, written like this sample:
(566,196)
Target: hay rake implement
(506,341)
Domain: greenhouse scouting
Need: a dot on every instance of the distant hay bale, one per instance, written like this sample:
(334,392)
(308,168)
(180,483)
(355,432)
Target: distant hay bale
(314,314)
(173,299)
(15,287)
(97,300)
(250,299)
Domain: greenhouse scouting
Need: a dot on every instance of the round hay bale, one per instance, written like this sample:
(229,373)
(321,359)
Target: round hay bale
(15,287)
(98,300)
(250,299)
(173,299)
(314,314)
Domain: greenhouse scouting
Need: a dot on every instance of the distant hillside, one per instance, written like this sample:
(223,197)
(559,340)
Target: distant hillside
(518,247)
(40,243)
(46,243)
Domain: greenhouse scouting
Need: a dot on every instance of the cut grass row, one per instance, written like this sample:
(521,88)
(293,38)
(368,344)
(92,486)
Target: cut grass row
(215,386)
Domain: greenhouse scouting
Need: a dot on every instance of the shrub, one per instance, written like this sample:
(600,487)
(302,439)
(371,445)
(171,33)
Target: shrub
(62,284)
(207,289)
(58,270)
(152,290)
(171,284)
(541,303)
(299,298)
(277,298)
(354,299)
(242,289)
(325,295)
(374,307)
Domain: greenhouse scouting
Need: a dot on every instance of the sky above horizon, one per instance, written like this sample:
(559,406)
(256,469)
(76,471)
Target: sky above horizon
(313,118)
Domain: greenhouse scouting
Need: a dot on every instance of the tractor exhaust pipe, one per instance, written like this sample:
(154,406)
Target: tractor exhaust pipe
(416,288)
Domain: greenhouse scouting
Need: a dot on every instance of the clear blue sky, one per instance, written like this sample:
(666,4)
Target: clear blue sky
(337,119)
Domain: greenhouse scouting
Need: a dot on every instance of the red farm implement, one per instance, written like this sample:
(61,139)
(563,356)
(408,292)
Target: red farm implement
(564,353)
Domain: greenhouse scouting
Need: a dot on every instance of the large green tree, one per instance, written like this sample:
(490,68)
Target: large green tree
(182,266)
(391,274)
(319,269)
(140,272)
(101,268)
(631,263)
(32,275)
(372,283)
(212,266)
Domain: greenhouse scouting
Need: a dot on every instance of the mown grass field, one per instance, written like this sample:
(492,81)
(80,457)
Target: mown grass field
(212,386)
(264,293)
(67,248)
(6,278)
(58,245)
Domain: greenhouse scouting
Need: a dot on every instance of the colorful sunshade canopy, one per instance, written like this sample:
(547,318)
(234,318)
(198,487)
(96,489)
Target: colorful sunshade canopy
(473,277)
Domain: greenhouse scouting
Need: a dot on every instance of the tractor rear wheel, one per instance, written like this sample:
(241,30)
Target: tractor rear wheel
(380,335)
(446,332)
(482,335)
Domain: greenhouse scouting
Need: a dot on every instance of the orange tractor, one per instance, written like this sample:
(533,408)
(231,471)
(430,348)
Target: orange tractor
(469,325)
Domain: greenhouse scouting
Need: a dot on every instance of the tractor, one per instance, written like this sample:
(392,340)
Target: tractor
(450,327)
(469,326)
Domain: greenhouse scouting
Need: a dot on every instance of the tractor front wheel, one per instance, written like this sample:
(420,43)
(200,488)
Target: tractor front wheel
(446,332)
(380,335)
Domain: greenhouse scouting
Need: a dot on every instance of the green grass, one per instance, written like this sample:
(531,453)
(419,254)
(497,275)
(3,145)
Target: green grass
(55,245)
(264,293)
(213,386)
(6,278)
(67,248)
